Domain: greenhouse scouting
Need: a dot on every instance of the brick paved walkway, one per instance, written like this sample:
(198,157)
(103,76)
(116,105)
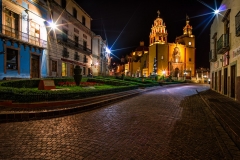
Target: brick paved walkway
(168,123)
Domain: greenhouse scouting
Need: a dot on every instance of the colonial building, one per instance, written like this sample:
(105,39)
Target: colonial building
(23,39)
(100,57)
(137,62)
(70,43)
(163,58)
(225,50)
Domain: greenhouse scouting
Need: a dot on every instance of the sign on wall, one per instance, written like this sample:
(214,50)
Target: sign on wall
(236,52)
(226,59)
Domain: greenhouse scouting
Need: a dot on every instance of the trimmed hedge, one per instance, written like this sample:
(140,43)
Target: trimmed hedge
(27,95)
(18,90)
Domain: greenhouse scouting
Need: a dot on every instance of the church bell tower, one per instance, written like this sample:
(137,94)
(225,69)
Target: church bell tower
(158,32)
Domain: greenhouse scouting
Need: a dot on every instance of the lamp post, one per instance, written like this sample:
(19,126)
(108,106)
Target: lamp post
(185,73)
(164,72)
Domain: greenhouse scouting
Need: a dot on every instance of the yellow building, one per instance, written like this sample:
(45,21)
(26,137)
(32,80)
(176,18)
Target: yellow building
(175,59)
(163,58)
(137,65)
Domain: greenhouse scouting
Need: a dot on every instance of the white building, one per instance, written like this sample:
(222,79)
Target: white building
(224,53)
(70,42)
(100,57)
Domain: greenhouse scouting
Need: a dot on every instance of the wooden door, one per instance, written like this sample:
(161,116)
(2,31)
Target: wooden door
(35,66)
(71,69)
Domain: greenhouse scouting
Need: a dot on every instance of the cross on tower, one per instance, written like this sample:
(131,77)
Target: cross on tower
(158,12)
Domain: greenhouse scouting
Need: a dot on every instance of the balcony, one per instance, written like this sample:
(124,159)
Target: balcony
(66,41)
(212,56)
(237,23)
(223,44)
(15,35)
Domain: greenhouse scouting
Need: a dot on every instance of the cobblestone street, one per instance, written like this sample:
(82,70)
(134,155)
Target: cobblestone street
(168,123)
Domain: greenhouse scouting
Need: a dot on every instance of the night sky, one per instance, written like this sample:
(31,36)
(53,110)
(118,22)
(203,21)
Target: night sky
(127,22)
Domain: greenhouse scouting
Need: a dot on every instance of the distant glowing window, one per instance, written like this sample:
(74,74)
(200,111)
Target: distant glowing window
(64,69)
(189,43)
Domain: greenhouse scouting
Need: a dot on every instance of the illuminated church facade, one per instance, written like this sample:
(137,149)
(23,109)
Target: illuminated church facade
(163,58)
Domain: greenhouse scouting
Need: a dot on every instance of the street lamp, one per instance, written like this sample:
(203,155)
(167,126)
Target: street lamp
(185,73)
(163,72)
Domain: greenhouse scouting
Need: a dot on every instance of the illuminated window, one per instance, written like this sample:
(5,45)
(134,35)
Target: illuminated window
(34,32)
(54,66)
(11,23)
(12,59)
(64,69)
(189,43)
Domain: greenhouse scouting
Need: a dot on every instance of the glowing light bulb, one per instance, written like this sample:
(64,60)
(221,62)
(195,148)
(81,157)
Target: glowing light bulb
(52,25)
(216,11)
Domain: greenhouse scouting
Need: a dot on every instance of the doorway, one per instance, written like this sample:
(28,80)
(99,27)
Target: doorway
(219,81)
(225,80)
(215,87)
(71,70)
(34,66)
(233,77)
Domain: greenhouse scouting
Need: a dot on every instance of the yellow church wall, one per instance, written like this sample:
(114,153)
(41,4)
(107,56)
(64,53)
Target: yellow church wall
(190,60)
(135,67)
(162,59)
(181,50)
(152,55)
(144,65)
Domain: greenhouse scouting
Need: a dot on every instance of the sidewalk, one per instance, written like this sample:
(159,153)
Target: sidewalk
(227,112)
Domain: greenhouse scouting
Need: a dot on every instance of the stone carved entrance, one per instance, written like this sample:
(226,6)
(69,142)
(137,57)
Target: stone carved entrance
(176,73)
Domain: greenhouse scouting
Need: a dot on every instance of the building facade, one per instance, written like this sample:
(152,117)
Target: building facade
(163,58)
(100,57)
(70,42)
(224,53)
(23,39)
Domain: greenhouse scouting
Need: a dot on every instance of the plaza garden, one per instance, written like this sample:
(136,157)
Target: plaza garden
(26,90)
